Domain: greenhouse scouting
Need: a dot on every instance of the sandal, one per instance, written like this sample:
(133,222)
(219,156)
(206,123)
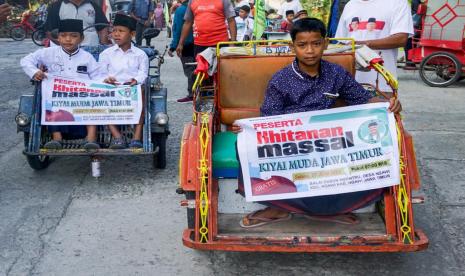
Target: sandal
(263,221)
(118,143)
(136,144)
(53,145)
(90,145)
(347,219)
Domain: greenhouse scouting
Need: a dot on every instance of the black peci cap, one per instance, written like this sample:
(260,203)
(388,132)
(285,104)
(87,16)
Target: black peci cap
(126,21)
(289,12)
(371,20)
(71,25)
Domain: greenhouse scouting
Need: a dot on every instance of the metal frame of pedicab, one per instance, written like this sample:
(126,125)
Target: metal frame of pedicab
(155,131)
(435,39)
(201,190)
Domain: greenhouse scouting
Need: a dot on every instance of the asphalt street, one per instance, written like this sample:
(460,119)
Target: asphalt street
(62,221)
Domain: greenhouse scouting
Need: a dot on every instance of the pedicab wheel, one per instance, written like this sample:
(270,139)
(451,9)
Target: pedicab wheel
(38,37)
(440,69)
(36,162)
(159,159)
(17,33)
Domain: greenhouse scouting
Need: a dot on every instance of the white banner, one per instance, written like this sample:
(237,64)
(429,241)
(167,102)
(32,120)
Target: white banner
(86,102)
(318,153)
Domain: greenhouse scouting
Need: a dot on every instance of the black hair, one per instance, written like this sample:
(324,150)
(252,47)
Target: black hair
(308,25)
(245,8)
(289,12)
(355,19)
(371,20)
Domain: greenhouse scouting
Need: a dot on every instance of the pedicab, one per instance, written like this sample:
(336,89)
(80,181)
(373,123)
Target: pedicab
(209,169)
(438,44)
(155,129)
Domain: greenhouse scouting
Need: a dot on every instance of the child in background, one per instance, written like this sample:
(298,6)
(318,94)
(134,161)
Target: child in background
(125,64)
(300,14)
(244,24)
(287,24)
(65,61)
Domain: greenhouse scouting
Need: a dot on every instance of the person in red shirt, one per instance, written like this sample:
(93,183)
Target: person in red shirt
(209,19)
(287,24)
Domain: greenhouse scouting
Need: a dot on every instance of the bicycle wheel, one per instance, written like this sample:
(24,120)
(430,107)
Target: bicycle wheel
(18,33)
(440,69)
(38,37)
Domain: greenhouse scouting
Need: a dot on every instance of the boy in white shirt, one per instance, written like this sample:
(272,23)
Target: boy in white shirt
(244,24)
(126,64)
(65,61)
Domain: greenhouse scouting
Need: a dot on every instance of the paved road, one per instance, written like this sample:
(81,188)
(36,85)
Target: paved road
(61,221)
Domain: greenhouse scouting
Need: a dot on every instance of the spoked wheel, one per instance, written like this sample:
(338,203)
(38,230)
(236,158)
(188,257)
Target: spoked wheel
(159,160)
(440,69)
(37,162)
(38,37)
(18,33)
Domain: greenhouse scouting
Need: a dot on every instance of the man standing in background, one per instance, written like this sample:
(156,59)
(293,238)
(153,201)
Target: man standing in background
(210,26)
(187,54)
(85,10)
(384,26)
(289,5)
(142,11)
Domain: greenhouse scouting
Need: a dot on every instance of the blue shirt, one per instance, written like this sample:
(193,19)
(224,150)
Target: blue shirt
(291,90)
(142,8)
(178,22)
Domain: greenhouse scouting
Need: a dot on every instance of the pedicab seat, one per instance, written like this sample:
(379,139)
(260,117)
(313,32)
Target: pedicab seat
(242,85)
(224,158)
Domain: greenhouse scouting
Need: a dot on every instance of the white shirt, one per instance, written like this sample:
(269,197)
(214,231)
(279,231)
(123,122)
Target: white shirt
(242,3)
(60,63)
(244,27)
(124,66)
(392,17)
(287,6)
(86,13)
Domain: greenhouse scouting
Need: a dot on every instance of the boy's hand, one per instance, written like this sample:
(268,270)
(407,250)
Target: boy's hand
(394,105)
(131,83)
(110,80)
(179,50)
(39,76)
(235,128)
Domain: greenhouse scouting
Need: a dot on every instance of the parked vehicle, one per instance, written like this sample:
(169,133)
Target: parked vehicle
(439,42)
(209,170)
(20,31)
(155,130)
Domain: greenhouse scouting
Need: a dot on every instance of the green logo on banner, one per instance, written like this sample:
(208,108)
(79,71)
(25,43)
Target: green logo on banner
(372,131)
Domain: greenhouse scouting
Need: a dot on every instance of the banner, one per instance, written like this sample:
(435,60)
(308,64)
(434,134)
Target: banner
(319,153)
(259,19)
(86,102)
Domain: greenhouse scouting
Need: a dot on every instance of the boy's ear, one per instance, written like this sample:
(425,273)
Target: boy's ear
(326,43)
(133,33)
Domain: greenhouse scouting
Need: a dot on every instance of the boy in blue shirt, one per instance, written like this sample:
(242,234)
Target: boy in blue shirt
(309,84)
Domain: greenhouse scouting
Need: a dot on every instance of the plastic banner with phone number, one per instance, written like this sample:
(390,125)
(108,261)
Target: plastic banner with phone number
(319,153)
(86,102)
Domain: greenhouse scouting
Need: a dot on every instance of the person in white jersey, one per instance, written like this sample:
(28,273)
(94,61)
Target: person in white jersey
(384,26)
